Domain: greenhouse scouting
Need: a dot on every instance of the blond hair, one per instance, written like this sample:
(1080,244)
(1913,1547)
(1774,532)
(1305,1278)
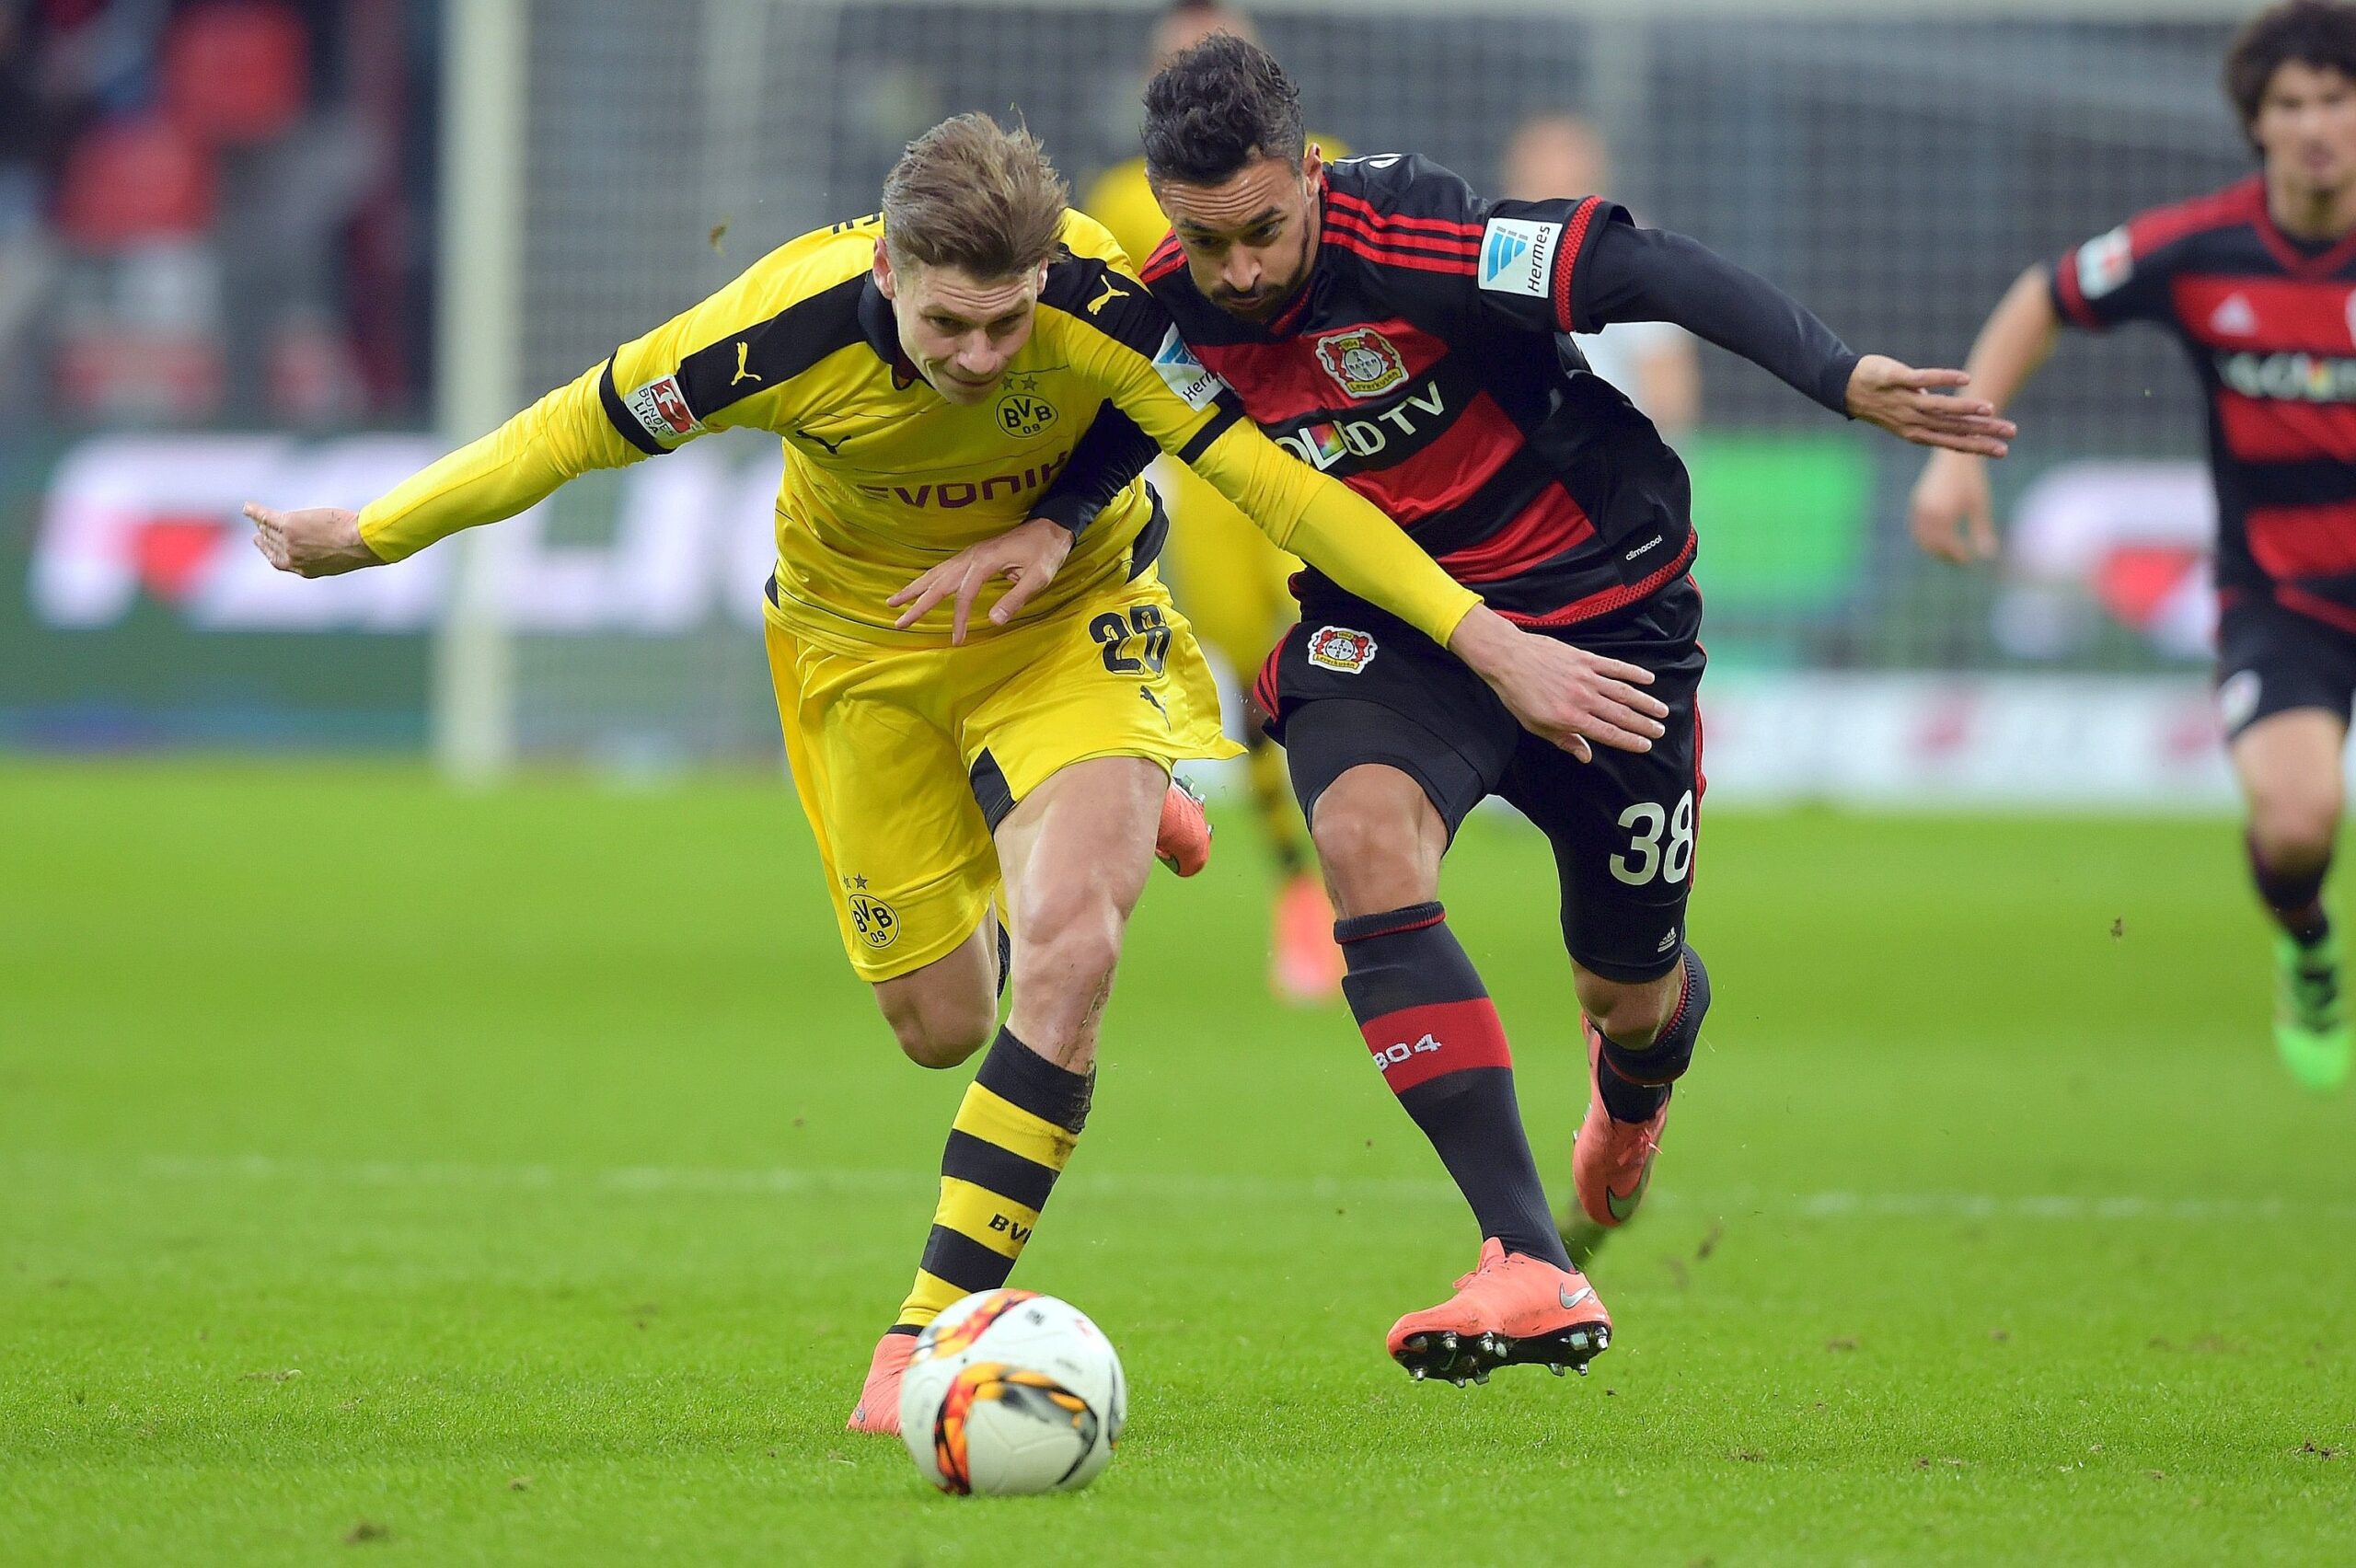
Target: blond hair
(969,193)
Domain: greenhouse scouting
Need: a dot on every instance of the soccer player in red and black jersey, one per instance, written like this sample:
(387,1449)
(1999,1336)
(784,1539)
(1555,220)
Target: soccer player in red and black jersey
(1394,328)
(2258,282)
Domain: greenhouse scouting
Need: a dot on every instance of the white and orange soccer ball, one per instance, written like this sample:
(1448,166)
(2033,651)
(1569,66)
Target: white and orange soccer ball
(1009,1392)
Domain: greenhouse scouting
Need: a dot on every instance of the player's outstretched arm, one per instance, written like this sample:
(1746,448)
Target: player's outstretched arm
(1926,406)
(1950,513)
(1565,694)
(313,541)
(1632,274)
(521,463)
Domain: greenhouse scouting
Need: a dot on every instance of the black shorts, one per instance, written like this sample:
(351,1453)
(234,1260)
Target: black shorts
(1357,686)
(2271,660)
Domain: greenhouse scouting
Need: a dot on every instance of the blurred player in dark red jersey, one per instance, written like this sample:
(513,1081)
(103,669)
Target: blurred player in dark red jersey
(2258,283)
(1396,330)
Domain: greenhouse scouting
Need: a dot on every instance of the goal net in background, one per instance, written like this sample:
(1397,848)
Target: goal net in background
(1895,174)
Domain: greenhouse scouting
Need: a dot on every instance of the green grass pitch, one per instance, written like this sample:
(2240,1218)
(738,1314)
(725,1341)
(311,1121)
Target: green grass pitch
(400,1176)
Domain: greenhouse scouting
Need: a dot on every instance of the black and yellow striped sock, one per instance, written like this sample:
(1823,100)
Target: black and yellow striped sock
(1013,1133)
(1272,797)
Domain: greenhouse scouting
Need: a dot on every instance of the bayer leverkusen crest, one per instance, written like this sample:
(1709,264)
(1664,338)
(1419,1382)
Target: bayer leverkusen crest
(1340,647)
(1366,363)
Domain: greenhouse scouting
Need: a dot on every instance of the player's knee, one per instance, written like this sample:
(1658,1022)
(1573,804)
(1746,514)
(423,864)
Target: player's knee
(1374,858)
(2294,823)
(1629,1012)
(1073,941)
(931,1044)
(936,1032)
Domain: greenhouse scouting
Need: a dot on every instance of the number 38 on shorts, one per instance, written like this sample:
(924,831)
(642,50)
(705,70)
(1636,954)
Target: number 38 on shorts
(1647,857)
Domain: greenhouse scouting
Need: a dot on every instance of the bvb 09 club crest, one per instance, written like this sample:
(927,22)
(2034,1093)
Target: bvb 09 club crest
(1366,363)
(877,922)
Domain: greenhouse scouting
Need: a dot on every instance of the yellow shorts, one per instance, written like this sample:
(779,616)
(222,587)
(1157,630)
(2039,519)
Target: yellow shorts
(907,759)
(1225,571)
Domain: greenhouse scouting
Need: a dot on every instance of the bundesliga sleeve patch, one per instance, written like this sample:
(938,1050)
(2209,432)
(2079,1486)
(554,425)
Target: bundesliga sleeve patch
(1186,374)
(661,410)
(1518,256)
(2105,263)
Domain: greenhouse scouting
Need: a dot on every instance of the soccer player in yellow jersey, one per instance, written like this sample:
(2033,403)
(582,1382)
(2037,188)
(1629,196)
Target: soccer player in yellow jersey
(1226,576)
(931,371)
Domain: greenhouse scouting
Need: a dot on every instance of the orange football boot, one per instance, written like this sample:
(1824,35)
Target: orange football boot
(1611,1161)
(1306,966)
(1511,1310)
(1182,843)
(878,1409)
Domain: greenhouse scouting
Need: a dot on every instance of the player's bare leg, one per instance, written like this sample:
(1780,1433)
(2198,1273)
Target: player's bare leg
(1074,856)
(2288,766)
(1427,1020)
(1640,1039)
(944,1012)
(1379,840)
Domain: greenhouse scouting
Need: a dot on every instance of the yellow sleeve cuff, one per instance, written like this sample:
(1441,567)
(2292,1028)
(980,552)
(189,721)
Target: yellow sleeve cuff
(1337,531)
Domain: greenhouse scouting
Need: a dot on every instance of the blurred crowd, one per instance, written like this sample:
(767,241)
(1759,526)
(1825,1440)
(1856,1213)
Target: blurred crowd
(212,210)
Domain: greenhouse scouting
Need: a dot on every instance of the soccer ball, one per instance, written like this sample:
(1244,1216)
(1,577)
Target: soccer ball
(1011,1392)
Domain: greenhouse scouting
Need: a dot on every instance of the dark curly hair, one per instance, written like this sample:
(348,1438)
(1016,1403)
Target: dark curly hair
(2321,33)
(1217,108)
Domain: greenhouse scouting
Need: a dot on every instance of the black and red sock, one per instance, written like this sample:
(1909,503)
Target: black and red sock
(1634,1081)
(2296,900)
(1436,1035)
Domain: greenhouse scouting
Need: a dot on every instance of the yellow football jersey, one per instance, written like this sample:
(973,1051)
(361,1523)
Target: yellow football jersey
(884,477)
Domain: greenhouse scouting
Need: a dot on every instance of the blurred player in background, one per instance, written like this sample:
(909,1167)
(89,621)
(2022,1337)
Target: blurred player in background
(2258,283)
(1230,580)
(1553,156)
(1390,326)
(931,371)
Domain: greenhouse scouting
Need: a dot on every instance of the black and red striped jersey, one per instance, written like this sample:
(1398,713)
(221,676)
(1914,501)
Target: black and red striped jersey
(2269,323)
(1427,362)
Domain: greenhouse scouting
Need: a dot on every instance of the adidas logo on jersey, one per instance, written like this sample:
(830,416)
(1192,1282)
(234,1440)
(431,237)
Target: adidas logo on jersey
(2235,318)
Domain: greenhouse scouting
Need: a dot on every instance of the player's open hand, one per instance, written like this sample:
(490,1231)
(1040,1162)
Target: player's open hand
(1028,556)
(1924,407)
(317,541)
(1950,513)
(1575,699)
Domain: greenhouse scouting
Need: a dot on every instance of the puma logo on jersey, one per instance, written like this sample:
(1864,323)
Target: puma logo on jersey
(1146,692)
(833,448)
(1113,291)
(744,351)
